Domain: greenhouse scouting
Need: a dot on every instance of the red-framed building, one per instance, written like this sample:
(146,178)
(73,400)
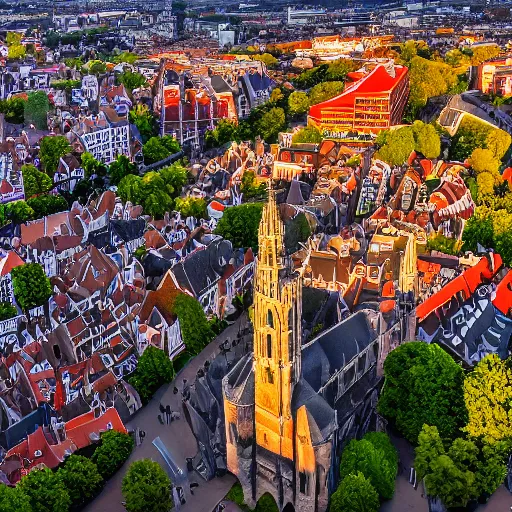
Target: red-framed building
(374,102)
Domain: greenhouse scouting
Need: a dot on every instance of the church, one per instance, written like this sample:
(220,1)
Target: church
(292,404)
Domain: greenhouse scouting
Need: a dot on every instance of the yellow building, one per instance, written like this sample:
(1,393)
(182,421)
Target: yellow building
(292,404)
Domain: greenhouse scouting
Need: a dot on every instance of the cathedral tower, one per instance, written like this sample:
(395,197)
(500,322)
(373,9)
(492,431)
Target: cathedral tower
(277,349)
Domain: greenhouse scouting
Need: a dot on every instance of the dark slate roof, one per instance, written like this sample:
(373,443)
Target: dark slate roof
(259,82)
(219,84)
(128,229)
(317,407)
(334,349)
(203,267)
(171,77)
(294,193)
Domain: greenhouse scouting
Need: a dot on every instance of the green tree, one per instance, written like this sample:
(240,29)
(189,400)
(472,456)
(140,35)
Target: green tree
(96,67)
(146,487)
(427,140)
(339,69)
(191,207)
(13,110)
(195,329)
(7,310)
(430,447)
(355,494)
(484,52)
(453,486)
(271,123)
(81,478)
(45,205)
(51,149)
(120,168)
(19,212)
(46,491)
(308,135)
(249,186)
(154,369)
(30,285)
(225,131)
(266,504)
(115,447)
(298,103)
(428,79)
(132,80)
(128,57)
(13,38)
(36,109)
(13,499)
(16,51)
(297,231)
(154,151)
(372,461)
(240,224)
(325,91)
(398,145)
(478,229)
(423,386)
(484,160)
(498,141)
(276,96)
(175,177)
(91,166)
(145,121)
(171,144)
(269,60)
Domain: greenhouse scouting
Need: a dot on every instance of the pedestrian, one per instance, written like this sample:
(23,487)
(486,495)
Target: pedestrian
(168,413)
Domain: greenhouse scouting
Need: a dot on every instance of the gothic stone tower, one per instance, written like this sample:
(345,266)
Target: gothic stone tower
(277,347)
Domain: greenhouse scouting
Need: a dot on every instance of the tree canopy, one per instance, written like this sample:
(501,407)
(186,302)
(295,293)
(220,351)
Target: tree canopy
(191,207)
(488,394)
(271,123)
(7,310)
(395,146)
(34,181)
(115,447)
(462,471)
(355,493)
(325,91)
(13,499)
(145,121)
(298,103)
(132,80)
(30,285)
(308,134)
(423,386)
(51,149)
(154,369)
(374,457)
(46,491)
(239,224)
(195,329)
(146,488)
(269,60)
(81,477)
(120,168)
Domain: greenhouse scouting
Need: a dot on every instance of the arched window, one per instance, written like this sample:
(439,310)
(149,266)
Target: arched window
(270,319)
(269,345)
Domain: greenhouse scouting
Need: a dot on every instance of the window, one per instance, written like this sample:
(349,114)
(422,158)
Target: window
(270,319)
(303,482)
(269,345)
(270,376)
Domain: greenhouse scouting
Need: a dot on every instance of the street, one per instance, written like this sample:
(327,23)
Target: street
(177,437)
